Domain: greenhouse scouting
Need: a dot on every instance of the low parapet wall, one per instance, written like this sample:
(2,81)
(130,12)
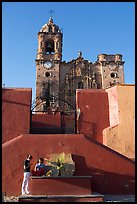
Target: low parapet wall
(66,185)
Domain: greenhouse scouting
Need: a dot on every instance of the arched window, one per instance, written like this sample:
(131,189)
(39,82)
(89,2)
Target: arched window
(80,85)
(57,45)
(50,46)
(50,29)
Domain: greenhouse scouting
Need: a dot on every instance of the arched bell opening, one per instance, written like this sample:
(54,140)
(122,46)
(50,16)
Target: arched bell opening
(50,46)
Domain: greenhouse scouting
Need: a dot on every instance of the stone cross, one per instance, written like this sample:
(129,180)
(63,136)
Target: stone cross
(51,11)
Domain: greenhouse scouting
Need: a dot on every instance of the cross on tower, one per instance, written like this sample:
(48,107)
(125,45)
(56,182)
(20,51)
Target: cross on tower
(51,11)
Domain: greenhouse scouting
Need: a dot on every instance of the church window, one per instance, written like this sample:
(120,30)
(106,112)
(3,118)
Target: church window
(41,45)
(57,45)
(80,85)
(47,74)
(103,63)
(50,29)
(114,75)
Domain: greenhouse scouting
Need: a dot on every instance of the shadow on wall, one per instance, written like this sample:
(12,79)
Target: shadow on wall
(103,181)
(94,113)
(42,128)
(90,129)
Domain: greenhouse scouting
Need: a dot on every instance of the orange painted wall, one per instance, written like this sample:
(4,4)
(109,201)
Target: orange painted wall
(120,136)
(16,104)
(94,116)
(108,116)
(112,173)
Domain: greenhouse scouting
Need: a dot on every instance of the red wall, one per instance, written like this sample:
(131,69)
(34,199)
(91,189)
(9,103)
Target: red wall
(112,173)
(46,122)
(45,119)
(94,117)
(15,112)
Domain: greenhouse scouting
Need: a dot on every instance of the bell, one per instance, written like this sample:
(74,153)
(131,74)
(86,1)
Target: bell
(49,46)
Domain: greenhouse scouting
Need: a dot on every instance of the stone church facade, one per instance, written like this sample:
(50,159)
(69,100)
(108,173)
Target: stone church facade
(57,80)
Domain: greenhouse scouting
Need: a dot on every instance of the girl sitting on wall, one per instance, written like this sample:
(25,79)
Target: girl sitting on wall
(40,168)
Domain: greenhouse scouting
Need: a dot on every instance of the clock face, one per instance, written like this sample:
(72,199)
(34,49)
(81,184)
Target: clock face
(47,65)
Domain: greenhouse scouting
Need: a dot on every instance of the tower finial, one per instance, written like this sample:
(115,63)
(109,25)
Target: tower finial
(79,53)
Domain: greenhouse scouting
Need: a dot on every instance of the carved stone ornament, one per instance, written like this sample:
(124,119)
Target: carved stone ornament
(78,72)
(116,68)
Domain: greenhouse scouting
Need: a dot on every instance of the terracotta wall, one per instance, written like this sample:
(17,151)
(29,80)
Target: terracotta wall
(16,104)
(94,113)
(46,123)
(46,119)
(53,123)
(111,172)
(120,136)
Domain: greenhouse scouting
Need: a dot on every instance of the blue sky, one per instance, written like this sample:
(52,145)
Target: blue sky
(92,27)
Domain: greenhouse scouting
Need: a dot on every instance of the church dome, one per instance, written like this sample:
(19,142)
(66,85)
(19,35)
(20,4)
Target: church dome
(50,27)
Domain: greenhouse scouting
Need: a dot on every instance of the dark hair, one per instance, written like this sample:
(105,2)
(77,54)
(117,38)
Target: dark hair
(29,156)
(41,159)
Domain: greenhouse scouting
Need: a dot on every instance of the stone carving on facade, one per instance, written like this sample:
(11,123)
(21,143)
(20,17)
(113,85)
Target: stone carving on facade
(94,84)
(78,72)
(42,45)
(116,68)
(67,79)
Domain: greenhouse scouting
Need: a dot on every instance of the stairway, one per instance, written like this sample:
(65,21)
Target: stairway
(95,197)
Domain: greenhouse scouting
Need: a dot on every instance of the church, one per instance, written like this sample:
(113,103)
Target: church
(57,80)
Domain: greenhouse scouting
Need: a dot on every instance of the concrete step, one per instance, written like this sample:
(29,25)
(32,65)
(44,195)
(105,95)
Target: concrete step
(60,185)
(95,197)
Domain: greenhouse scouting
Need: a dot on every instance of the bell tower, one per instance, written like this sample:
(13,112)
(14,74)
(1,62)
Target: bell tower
(49,57)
